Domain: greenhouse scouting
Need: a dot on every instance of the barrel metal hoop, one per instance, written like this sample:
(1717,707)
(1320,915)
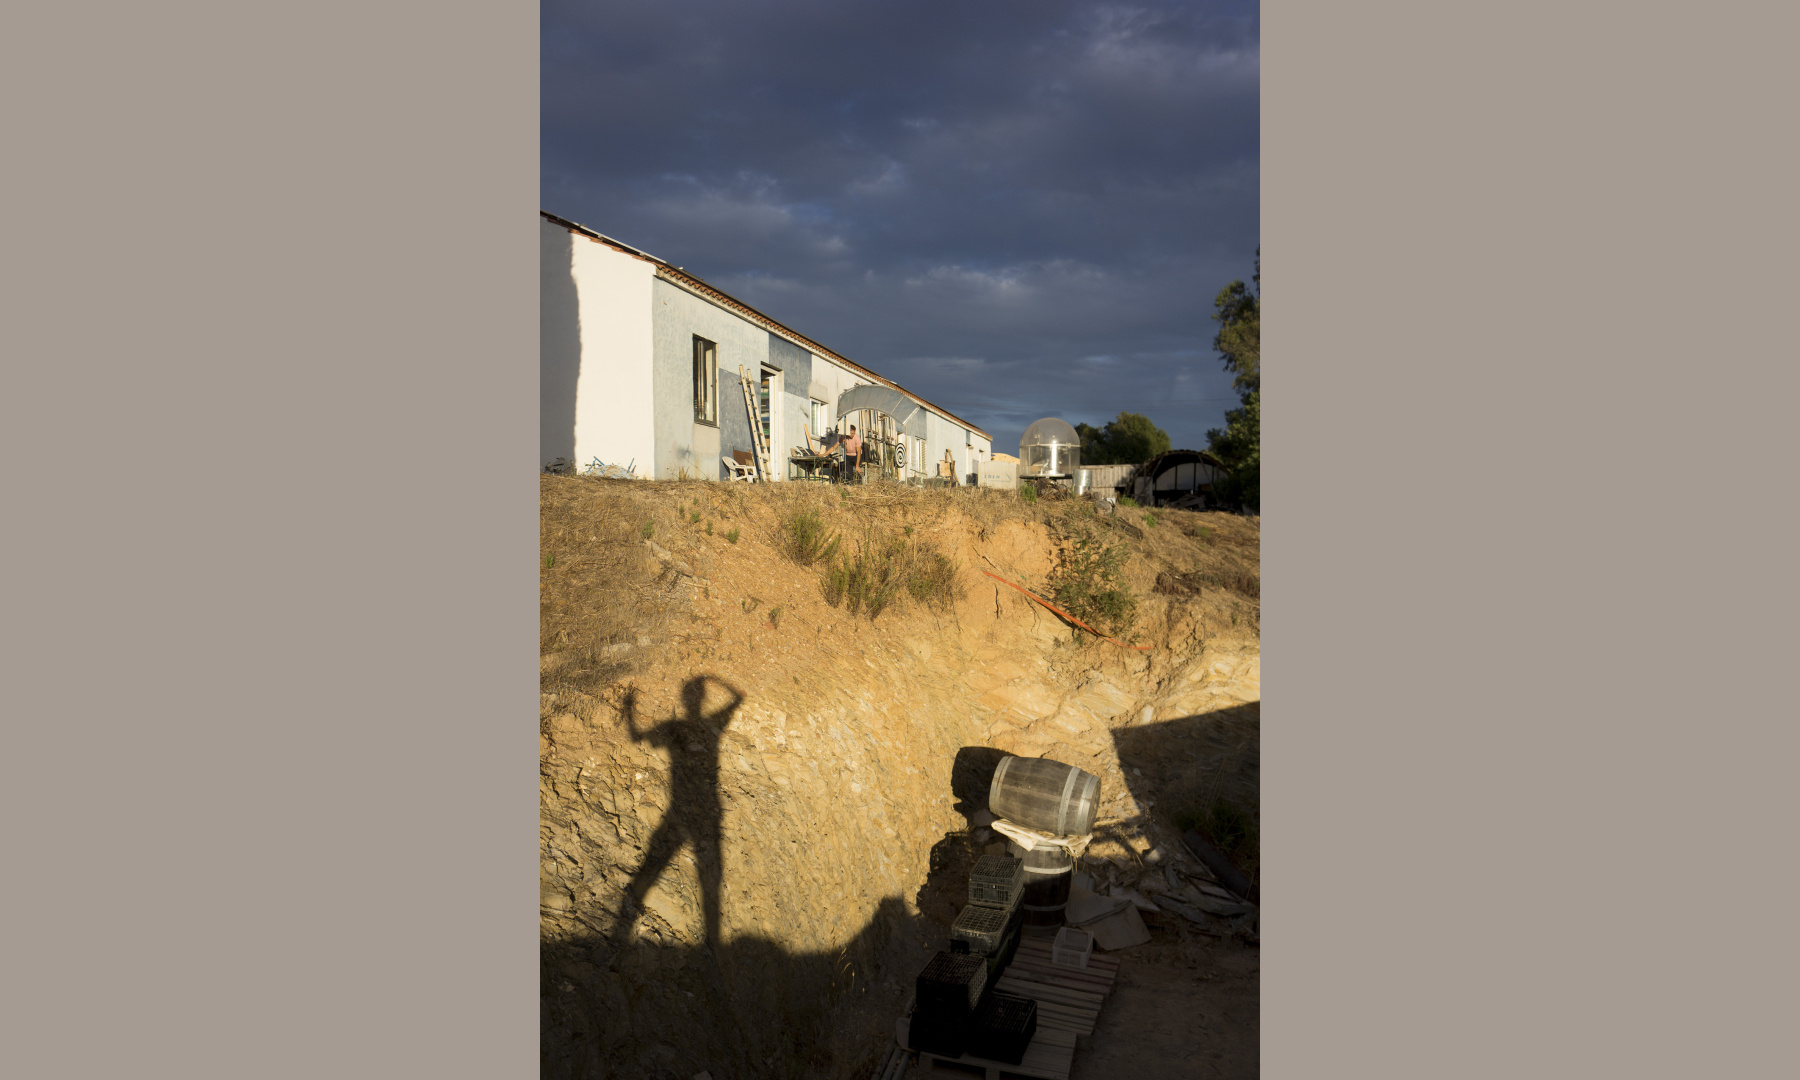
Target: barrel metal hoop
(1062,812)
(999,778)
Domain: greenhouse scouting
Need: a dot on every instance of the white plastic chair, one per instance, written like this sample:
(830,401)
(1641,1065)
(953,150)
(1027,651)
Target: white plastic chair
(742,466)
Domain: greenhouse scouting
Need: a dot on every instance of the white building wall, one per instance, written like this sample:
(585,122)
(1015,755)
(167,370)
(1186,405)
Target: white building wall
(942,435)
(614,406)
(796,375)
(829,380)
(615,371)
(613,410)
(683,443)
(559,345)
(982,454)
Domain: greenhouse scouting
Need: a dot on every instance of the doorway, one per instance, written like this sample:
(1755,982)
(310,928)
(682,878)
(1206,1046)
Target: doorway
(768,411)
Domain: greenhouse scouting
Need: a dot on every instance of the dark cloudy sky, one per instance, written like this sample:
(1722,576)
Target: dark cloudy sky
(1015,208)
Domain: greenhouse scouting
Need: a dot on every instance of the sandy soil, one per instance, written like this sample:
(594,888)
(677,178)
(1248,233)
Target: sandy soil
(1176,1018)
(754,814)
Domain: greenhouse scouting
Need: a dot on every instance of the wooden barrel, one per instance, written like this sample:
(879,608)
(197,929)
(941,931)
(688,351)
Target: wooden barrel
(1047,795)
(1048,873)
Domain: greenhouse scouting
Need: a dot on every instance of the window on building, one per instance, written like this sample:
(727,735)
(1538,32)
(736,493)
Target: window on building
(706,381)
(815,419)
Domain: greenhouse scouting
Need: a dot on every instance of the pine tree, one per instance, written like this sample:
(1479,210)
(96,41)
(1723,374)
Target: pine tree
(1238,311)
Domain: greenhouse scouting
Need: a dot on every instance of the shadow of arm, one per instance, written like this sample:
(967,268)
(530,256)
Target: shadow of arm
(629,711)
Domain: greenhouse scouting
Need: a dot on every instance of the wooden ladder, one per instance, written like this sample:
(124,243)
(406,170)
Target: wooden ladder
(759,446)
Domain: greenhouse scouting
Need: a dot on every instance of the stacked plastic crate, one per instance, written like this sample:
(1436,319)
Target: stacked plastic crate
(989,924)
(977,1021)
(949,991)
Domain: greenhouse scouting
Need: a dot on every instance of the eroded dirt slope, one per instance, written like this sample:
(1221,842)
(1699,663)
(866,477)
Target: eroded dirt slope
(775,777)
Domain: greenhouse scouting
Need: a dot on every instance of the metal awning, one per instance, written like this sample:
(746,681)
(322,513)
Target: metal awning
(907,413)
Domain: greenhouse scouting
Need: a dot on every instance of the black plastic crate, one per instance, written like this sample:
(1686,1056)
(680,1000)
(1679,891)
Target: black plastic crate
(997,961)
(951,985)
(944,1035)
(1008,946)
(982,929)
(1003,1028)
(997,881)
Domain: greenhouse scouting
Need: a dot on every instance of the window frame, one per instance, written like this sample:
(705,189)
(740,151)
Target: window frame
(706,381)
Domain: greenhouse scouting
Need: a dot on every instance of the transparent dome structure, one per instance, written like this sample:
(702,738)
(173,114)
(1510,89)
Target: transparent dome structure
(1049,447)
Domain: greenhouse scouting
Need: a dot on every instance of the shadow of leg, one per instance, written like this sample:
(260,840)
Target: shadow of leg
(662,848)
(711,878)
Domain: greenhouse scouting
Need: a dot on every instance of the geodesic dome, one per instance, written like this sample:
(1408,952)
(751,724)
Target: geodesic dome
(1049,447)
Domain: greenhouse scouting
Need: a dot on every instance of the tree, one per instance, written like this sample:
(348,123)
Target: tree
(1091,449)
(1127,439)
(1239,445)
(1133,439)
(1238,311)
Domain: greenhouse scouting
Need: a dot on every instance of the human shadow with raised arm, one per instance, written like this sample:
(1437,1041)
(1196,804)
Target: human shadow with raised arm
(695,813)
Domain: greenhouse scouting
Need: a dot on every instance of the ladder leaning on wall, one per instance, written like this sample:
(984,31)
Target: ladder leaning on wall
(759,445)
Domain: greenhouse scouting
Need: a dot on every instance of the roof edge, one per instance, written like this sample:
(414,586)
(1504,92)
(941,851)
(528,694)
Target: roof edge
(1205,456)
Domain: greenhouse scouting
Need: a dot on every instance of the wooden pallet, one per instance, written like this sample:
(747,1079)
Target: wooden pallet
(1049,1057)
(1068,1000)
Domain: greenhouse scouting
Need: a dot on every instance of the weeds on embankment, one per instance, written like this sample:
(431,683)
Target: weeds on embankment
(1087,583)
(807,539)
(880,545)
(878,569)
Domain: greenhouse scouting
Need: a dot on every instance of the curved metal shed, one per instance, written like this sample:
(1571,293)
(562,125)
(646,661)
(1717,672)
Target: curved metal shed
(1173,475)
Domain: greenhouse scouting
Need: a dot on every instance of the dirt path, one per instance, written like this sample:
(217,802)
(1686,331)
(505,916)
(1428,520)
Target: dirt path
(1179,1016)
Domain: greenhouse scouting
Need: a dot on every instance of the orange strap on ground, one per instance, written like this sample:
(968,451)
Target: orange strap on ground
(1065,614)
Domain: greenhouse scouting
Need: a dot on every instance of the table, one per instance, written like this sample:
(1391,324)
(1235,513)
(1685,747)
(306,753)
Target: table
(811,467)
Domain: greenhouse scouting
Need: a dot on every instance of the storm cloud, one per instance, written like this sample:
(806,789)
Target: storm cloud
(1015,208)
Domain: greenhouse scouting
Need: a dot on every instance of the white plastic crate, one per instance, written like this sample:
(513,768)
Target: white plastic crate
(1072,947)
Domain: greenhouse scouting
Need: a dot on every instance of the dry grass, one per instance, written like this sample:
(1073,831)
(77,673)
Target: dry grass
(866,575)
(897,504)
(601,592)
(1205,556)
(598,594)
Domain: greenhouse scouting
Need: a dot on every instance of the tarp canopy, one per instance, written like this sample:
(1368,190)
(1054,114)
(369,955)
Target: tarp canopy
(907,413)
